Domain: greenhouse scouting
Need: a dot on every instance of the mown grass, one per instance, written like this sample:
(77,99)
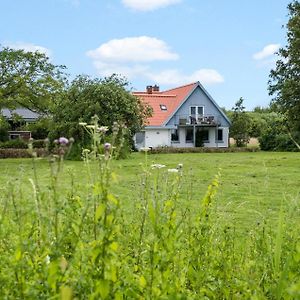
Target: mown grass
(225,226)
(253,185)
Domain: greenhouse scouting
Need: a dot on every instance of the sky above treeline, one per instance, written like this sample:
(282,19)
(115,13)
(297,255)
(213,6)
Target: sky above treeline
(228,45)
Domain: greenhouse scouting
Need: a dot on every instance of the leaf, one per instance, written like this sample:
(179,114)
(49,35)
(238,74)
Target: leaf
(142,282)
(100,211)
(66,293)
(103,288)
(111,198)
(114,246)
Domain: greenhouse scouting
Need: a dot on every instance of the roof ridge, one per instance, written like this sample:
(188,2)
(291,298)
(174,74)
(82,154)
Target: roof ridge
(179,87)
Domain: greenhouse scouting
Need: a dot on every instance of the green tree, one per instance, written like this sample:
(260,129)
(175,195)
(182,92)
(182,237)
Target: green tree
(107,98)
(284,82)
(241,123)
(28,79)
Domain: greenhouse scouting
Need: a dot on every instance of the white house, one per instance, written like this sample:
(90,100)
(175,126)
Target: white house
(186,116)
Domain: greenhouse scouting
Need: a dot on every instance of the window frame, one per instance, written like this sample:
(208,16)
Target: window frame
(222,133)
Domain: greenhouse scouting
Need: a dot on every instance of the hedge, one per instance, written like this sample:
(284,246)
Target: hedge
(20,153)
(200,150)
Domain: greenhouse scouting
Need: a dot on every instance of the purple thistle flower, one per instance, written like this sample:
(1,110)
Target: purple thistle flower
(107,146)
(63,141)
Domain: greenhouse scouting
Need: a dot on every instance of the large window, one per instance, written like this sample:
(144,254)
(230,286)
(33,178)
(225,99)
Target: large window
(220,135)
(174,135)
(189,135)
(197,110)
(195,113)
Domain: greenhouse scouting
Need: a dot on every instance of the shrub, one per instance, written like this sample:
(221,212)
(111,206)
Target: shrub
(4,127)
(39,129)
(15,144)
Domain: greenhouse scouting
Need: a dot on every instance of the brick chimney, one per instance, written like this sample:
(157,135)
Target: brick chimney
(149,89)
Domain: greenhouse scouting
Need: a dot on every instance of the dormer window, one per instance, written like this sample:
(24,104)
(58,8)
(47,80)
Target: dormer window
(163,107)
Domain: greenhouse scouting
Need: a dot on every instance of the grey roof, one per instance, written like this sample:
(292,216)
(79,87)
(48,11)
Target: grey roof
(25,113)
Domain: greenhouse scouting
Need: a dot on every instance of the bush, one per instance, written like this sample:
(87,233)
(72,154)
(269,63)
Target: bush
(4,127)
(19,153)
(40,129)
(14,144)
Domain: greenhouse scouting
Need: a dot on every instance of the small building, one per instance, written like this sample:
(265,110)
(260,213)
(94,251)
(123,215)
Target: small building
(24,116)
(186,116)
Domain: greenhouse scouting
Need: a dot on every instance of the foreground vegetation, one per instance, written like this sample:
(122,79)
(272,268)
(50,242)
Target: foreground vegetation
(126,230)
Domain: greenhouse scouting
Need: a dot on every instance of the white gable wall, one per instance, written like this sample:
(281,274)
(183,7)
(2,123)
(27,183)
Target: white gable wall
(157,138)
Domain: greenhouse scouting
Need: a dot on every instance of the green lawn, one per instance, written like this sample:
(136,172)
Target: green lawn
(132,232)
(253,185)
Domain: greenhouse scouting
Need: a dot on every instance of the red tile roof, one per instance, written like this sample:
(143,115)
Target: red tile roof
(171,98)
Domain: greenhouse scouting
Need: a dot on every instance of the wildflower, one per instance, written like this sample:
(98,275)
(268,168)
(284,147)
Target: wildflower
(63,141)
(107,146)
(82,123)
(157,166)
(71,140)
(103,129)
(56,141)
(90,126)
(179,166)
(173,170)
(145,149)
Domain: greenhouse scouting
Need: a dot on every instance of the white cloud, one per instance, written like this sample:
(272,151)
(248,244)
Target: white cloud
(266,52)
(28,47)
(148,5)
(174,77)
(133,49)
(131,56)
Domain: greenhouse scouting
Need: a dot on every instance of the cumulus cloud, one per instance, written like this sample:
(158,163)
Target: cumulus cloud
(266,52)
(174,77)
(131,56)
(133,49)
(148,5)
(28,47)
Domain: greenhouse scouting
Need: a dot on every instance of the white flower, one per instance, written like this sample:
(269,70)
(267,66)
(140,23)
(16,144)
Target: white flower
(90,126)
(157,166)
(179,166)
(172,170)
(103,129)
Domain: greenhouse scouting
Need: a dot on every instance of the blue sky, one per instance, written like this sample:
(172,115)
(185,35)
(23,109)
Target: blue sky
(227,45)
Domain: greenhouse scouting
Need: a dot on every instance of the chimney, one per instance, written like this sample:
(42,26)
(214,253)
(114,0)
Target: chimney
(149,89)
(155,88)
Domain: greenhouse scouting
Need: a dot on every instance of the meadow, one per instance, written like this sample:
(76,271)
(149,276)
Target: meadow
(176,226)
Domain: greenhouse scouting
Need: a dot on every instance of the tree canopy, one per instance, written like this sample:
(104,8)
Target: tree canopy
(284,82)
(107,98)
(240,124)
(30,80)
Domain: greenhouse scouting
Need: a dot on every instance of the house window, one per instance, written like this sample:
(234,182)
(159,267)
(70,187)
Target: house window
(163,107)
(189,135)
(174,135)
(220,135)
(195,113)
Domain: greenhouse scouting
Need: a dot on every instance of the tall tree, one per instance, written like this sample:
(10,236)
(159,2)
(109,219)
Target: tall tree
(107,98)
(240,124)
(284,82)
(29,79)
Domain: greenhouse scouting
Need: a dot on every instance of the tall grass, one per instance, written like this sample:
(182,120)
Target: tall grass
(65,243)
